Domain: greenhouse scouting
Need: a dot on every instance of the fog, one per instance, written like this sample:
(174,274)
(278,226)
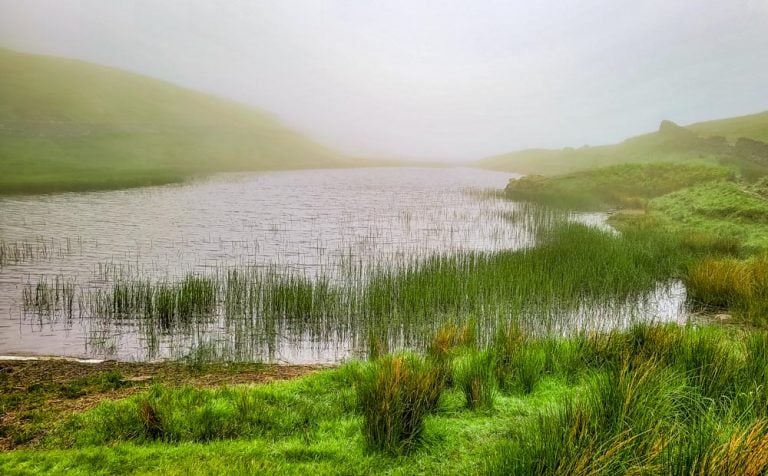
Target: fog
(430,79)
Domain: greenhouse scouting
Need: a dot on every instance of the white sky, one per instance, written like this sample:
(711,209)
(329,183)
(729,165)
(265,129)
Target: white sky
(430,79)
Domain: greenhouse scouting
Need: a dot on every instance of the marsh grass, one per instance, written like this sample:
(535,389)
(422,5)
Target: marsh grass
(550,287)
(659,400)
(395,394)
(474,375)
(731,284)
(13,252)
(50,297)
(653,399)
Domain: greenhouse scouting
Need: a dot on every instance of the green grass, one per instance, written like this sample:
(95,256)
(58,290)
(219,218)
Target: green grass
(475,376)
(652,399)
(69,125)
(395,394)
(725,209)
(671,143)
(753,126)
(623,186)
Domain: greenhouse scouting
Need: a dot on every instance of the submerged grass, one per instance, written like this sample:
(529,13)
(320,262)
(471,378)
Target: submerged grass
(13,252)
(549,287)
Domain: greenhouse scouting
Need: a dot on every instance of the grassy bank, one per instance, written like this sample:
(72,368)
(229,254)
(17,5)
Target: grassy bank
(710,209)
(655,399)
(67,125)
(734,210)
(740,142)
(36,394)
(617,186)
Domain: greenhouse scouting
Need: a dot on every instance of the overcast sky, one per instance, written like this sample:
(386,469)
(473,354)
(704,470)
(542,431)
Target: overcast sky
(430,79)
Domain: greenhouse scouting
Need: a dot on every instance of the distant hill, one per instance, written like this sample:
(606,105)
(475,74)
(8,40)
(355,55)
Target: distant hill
(70,125)
(754,126)
(735,140)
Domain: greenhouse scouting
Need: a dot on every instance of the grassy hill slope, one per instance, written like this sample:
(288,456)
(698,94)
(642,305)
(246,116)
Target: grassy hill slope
(71,125)
(671,143)
(754,126)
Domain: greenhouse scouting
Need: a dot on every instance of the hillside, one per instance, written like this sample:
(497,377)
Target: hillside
(71,125)
(629,185)
(732,140)
(754,126)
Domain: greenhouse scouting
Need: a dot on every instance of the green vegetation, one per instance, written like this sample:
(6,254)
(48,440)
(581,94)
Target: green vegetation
(35,395)
(753,126)
(729,284)
(69,125)
(475,376)
(725,209)
(653,399)
(624,186)
(713,217)
(716,205)
(573,269)
(747,149)
(395,394)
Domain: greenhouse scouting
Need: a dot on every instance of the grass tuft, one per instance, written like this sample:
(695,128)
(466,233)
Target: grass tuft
(395,395)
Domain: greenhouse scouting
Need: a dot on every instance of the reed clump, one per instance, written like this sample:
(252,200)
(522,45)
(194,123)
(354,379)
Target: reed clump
(731,284)
(474,375)
(395,395)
